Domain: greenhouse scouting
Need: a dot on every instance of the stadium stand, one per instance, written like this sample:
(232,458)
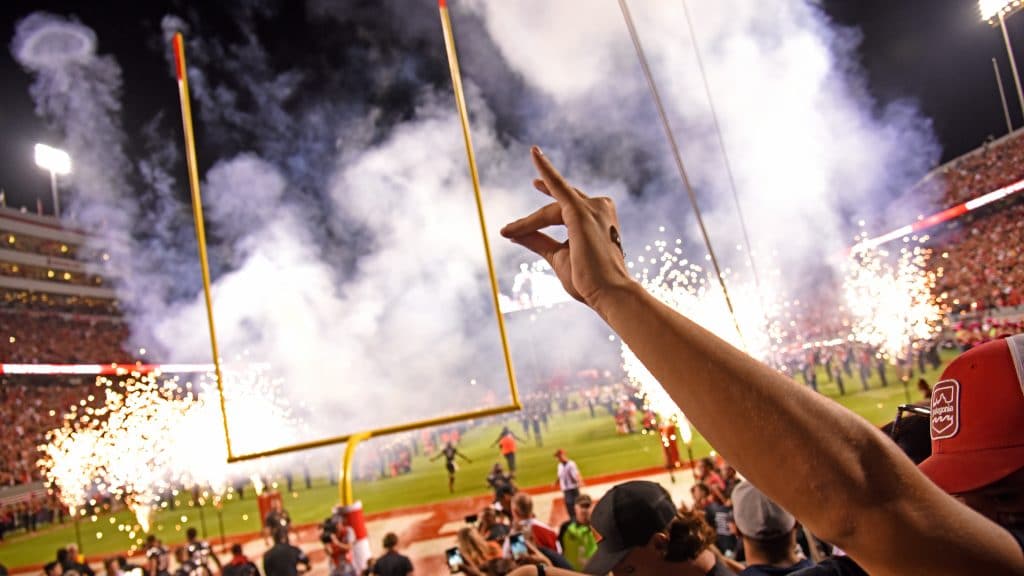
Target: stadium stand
(52,310)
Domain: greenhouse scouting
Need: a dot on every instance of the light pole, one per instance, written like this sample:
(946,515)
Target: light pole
(1002,96)
(55,161)
(995,12)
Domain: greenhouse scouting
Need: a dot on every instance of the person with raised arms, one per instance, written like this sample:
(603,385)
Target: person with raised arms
(851,486)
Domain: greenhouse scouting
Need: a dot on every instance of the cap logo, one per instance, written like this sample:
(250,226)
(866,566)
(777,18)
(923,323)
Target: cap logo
(945,418)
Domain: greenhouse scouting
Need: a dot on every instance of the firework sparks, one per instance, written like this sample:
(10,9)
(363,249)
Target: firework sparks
(693,292)
(535,286)
(149,435)
(889,297)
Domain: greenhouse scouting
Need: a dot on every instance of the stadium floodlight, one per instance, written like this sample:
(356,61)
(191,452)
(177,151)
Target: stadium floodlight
(55,161)
(995,12)
(992,9)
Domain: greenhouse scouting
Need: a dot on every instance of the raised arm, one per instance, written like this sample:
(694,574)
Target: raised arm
(829,467)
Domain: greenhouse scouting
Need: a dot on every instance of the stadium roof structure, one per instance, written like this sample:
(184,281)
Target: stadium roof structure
(15,224)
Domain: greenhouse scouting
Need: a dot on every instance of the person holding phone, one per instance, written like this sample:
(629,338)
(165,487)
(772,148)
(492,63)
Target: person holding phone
(884,512)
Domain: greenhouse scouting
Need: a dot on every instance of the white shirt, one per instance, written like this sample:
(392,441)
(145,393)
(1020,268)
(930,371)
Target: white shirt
(568,475)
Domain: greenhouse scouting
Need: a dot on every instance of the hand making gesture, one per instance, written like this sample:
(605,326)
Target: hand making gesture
(591,262)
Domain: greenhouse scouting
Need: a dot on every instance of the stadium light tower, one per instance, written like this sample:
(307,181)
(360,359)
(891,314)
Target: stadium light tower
(55,161)
(995,12)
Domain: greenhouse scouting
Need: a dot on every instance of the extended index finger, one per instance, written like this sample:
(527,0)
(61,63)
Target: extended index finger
(557,186)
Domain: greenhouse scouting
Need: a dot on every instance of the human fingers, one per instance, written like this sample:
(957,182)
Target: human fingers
(550,215)
(541,186)
(556,185)
(539,242)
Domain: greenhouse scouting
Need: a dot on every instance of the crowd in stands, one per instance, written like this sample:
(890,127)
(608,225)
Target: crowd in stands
(28,411)
(36,338)
(23,301)
(980,257)
(995,165)
(980,252)
(31,514)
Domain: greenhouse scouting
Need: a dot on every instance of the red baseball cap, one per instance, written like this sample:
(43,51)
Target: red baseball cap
(977,417)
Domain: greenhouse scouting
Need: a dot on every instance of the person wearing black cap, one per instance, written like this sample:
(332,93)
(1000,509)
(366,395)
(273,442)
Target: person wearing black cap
(768,533)
(640,531)
(886,514)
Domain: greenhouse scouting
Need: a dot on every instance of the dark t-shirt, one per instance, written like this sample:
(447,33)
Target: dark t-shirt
(764,570)
(717,516)
(283,560)
(720,569)
(392,564)
(245,568)
(833,566)
(497,533)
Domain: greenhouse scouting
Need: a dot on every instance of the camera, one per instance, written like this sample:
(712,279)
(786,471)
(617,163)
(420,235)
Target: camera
(327,529)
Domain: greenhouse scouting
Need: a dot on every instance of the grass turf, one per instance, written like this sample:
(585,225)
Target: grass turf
(591,442)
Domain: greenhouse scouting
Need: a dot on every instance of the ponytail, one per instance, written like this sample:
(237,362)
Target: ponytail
(688,536)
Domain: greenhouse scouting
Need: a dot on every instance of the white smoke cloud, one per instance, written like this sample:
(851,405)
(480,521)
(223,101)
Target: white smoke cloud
(807,144)
(394,324)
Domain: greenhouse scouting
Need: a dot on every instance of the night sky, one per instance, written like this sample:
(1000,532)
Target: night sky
(936,53)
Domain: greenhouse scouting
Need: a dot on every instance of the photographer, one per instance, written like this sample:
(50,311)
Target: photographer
(338,539)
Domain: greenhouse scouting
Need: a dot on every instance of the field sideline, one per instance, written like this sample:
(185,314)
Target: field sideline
(592,442)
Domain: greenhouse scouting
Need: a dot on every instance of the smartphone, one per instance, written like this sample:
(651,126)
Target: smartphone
(471,519)
(455,560)
(517,544)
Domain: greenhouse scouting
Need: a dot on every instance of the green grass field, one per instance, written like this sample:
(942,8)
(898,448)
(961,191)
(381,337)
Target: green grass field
(592,442)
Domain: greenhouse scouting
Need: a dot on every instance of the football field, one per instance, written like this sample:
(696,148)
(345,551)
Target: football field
(591,441)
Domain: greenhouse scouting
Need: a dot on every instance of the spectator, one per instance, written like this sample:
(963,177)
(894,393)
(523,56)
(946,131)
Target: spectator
(577,537)
(240,565)
(719,516)
(708,476)
(523,520)
(475,550)
(569,481)
(53,569)
(283,559)
(977,432)
(642,533)
(111,567)
(491,527)
(884,513)
(71,561)
(37,337)
(392,563)
(768,534)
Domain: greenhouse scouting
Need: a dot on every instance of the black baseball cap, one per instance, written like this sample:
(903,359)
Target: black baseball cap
(626,518)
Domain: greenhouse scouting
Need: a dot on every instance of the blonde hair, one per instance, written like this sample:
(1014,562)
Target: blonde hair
(473,546)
